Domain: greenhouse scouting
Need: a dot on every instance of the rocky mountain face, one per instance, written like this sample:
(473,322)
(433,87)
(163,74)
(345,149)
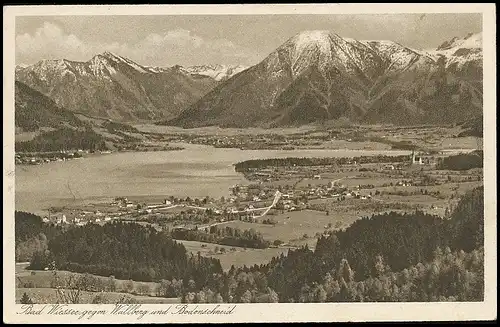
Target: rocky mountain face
(318,76)
(114,87)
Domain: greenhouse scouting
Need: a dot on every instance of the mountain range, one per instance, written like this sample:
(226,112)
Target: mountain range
(319,75)
(314,76)
(115,87)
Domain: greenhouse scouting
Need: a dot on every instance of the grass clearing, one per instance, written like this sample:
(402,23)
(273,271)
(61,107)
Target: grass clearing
(233,255)
(292,225)
(49,296)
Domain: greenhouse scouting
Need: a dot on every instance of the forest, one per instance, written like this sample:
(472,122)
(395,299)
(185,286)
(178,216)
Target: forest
(466,161)
(387,257)
(63,139)
(248,238)
(291,161)
(126,251)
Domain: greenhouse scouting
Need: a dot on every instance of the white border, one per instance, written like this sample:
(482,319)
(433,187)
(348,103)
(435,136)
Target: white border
(322,312)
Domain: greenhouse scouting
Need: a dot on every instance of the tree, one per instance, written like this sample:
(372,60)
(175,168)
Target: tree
(273,296)
(380,266)
(218,298)
(190,297)
(345,271)
(25,299)
(128,286)
(191,285)
(144,289)
(99,299)
(320,294)
(69,289)
(246,297)
(201,297)
(126,299)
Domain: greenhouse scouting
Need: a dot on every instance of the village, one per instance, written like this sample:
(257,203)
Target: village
(39,158)
(275,190)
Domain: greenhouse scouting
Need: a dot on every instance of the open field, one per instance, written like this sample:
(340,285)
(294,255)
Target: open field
(43,279)
(213,130)
(249,257)
(294,225)
(236,256)
(49,295)
(38,285)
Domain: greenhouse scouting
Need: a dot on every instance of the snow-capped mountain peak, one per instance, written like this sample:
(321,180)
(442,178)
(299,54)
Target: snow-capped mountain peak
(216,71)
(460,51)
(319,38)
(326,50)
(471,40)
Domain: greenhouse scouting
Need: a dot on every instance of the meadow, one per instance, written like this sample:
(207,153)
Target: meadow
(39,286)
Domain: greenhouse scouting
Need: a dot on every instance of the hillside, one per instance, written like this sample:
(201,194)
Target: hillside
(34,110)
(318,76)
(111,86)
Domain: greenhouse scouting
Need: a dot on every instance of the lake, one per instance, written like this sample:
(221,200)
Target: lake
(196,171)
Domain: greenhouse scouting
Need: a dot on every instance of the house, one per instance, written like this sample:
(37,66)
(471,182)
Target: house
(416,160)
(317,177)
(389,167)
(167,202)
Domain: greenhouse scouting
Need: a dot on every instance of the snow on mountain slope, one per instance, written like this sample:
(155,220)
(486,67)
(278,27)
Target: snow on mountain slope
(460,52)
(217,72)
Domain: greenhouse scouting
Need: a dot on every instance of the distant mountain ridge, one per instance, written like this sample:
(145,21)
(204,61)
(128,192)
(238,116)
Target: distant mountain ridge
(111,86)
(217,72)
(319,75)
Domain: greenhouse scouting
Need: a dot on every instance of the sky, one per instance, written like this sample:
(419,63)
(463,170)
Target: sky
(217,39)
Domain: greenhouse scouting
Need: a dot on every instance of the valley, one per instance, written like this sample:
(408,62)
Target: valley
(219,183)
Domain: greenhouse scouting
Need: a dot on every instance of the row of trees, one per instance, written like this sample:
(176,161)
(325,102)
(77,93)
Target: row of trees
(290,161)
(462,161)
(231,236)
(450,276)
(63,139)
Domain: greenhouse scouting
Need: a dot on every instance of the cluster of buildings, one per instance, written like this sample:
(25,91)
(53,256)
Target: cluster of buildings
(78,218)
(41,158)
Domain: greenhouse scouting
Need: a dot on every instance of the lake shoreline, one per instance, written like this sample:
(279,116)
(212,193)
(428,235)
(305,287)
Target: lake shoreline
(197,171)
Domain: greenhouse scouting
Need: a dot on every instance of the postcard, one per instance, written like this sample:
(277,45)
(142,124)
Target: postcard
(249,163)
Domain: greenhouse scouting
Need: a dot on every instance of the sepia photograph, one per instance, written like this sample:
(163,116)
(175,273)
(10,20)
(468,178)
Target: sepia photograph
(201,161)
